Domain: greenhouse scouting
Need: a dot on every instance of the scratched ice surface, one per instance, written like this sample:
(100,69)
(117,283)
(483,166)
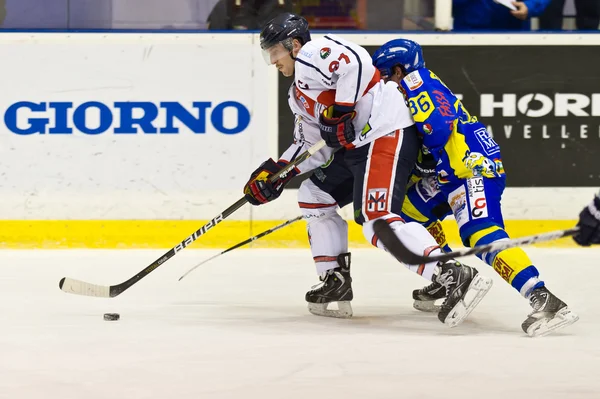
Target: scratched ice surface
(238,327)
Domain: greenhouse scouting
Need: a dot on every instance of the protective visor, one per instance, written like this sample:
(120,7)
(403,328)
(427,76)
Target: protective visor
(275,53)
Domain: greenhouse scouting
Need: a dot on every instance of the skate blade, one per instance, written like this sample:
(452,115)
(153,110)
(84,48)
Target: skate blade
(547,325)
(426,306)
(344,310)
(478,288)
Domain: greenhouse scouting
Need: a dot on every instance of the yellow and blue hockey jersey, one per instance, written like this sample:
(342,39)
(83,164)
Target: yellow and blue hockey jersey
(458,142)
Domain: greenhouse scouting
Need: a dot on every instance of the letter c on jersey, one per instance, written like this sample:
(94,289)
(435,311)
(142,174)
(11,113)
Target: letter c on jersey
(93,117)
(480,204)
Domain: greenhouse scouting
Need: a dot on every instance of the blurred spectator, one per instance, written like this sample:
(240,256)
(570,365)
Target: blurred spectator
(339,14)
(489,15)
(587,18)
(2,11)
(245,14)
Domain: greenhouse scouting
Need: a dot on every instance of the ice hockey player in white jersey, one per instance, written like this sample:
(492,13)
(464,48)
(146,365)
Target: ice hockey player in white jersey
(372,146)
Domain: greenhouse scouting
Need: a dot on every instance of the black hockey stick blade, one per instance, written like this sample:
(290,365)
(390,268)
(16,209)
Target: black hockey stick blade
(395,246)
(79,287)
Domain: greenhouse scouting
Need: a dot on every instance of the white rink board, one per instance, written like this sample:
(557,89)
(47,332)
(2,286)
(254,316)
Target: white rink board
(113,175)
(186,175)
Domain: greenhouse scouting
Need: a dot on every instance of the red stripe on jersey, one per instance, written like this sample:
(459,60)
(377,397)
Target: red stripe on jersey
(374,80)
(307,205)
(378,177)
(307,102)
(327,98)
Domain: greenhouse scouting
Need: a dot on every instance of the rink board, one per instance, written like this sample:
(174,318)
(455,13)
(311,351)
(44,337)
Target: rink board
(135,140)
(123,234)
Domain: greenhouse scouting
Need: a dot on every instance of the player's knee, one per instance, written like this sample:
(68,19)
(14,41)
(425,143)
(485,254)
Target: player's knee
(369,231)
(315,204)
(484,236)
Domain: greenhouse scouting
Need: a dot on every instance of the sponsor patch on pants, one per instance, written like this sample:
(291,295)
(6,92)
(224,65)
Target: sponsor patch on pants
(477,200)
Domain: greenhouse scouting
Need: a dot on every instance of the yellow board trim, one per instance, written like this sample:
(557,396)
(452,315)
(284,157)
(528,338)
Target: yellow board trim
(132,234)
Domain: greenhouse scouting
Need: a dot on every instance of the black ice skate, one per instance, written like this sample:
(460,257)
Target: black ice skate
(425,298)
(549,314)
(465,288)
(335,286)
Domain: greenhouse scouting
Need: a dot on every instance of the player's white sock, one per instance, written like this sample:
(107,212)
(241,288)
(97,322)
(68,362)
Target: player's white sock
(327,231)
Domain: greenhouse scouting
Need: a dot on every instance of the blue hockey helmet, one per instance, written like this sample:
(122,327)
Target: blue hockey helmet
(398,52)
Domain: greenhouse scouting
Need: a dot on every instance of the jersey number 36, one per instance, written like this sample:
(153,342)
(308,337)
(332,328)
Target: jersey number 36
(421,106)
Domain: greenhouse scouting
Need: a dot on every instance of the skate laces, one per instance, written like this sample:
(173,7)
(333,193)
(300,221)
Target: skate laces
(538,300)
(445,279)
(326,275)
(323,277)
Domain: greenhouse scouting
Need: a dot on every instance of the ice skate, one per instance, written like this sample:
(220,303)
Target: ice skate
(426,297)
(549,314)
(465,288)
(335,287)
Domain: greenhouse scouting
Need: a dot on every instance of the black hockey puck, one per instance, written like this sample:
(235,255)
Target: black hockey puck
(111,316)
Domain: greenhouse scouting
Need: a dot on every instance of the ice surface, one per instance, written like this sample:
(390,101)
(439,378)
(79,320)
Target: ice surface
(238,327)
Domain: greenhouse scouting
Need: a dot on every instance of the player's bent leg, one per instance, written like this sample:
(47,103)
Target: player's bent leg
(328,237)
(427,206)
(430,297)
(516,268)
(381,172)
(461,285)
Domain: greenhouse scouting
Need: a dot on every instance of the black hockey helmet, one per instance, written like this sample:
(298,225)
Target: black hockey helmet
(283,29)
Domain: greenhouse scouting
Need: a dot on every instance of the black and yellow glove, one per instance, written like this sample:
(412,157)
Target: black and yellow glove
(259,189)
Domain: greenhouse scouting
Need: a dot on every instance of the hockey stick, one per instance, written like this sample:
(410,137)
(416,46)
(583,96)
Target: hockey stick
(241,244)
(78,287)
(387,236)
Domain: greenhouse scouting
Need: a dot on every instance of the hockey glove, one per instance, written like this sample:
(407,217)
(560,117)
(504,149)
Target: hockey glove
(336,128)
(589,224)
(425,165)
(259,189)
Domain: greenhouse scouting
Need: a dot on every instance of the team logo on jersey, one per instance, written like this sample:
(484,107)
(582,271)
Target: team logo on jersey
(480,165)
(427,128)
(377,200)
(413,80)
(325,52)
(490,147)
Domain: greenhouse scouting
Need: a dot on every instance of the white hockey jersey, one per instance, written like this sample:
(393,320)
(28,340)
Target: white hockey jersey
(331,70)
